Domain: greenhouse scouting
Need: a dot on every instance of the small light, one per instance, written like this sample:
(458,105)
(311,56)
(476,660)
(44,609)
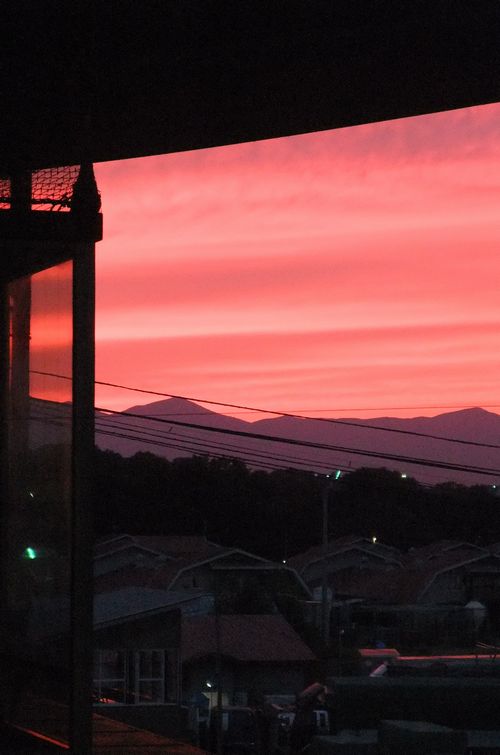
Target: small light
(30,553)
(31,494)
(374,539)
(209,684)
(337,474)
(404,475)
(284,561)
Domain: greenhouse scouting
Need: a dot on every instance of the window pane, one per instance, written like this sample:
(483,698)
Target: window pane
(150,692)
(157,664)
(112,664)
(151,664)
(36,535)
(109,676)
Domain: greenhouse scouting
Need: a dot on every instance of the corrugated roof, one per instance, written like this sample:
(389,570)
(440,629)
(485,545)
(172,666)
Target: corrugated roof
(264,638)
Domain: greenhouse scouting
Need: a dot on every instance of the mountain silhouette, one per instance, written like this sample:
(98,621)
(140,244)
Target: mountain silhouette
(175,427)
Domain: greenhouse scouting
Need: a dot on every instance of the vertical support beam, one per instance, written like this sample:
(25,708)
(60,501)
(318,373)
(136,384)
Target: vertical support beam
(36,241)
(219,734)
(325,600)
(20,323)
(325,618)
(20,191)
(4,387)
(82,525)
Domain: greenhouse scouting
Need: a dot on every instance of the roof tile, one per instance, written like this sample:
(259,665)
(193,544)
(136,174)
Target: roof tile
(263,637)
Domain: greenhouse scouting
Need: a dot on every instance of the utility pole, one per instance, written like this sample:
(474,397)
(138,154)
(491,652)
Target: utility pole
(219,744)
(325,612)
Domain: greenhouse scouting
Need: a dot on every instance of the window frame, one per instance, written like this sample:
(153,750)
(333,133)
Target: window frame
(140,679)
(97,681)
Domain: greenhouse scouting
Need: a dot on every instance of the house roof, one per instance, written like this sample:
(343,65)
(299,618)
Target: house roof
(127,576)
(130,602)
(180,549)
(183,554)
(408,585)
(180,546)
(108,545)
(301,561)
(257,638)
(437,548)
(174,546)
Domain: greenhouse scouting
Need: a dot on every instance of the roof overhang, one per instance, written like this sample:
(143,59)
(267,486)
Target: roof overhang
(118,79)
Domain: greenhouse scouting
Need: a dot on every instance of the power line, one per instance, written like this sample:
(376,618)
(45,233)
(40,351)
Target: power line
(199,446)
(258,463)
(311,444)
(361,425)
(271,462)
(326,409)
(304,416)
(192,443)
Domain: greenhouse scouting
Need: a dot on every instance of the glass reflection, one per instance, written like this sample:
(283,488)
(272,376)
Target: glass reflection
(37,542)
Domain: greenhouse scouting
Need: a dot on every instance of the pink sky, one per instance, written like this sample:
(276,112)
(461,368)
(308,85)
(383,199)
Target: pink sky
(347,270)
(51,330)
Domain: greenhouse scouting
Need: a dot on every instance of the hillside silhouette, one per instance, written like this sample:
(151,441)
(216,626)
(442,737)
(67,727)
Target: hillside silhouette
(153,429)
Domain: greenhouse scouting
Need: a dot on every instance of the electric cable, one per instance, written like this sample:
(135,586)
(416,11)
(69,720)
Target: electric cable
(329,420)
(311,444)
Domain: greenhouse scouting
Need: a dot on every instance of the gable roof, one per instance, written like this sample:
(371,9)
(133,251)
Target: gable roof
(167,545)
(183,553)
(409,585)
(438,548)
(245,638)
(111,545)
(301,561)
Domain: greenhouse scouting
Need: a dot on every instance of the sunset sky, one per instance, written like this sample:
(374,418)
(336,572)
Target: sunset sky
(346,273)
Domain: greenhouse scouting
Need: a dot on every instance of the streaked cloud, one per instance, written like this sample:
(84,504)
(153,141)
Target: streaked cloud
(351,267)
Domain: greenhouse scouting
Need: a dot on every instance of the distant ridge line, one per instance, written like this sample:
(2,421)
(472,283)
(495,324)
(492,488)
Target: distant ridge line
(348,423)
(310,444)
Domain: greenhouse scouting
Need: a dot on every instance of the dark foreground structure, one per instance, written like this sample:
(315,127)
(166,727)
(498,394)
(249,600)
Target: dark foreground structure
(99,81)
